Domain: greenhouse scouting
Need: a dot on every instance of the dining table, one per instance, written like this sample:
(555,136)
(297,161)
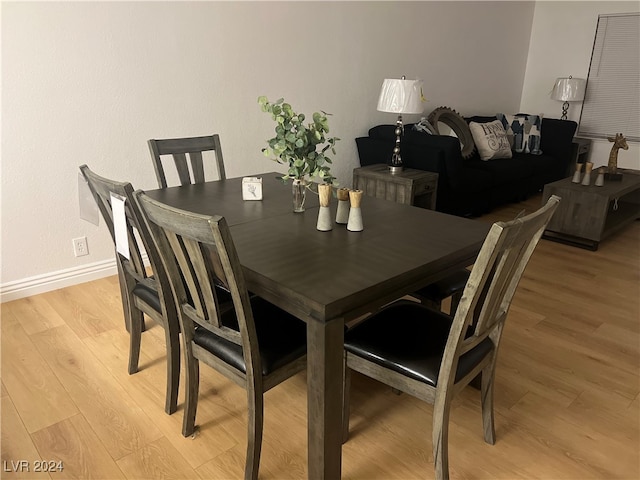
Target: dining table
(328,278)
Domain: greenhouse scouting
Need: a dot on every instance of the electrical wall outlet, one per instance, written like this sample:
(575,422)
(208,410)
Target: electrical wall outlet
(80,247)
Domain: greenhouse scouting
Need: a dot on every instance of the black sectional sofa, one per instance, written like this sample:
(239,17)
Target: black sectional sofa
(471,187)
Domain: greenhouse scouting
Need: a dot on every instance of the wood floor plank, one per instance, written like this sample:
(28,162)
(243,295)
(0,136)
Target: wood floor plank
(120,423)
(584,440)
(37,393)
(35,314)
(16,446)
(147,389)
(85,312)
(83,455)
(157,461)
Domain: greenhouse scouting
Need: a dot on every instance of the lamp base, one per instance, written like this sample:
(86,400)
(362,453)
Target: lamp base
(395,168)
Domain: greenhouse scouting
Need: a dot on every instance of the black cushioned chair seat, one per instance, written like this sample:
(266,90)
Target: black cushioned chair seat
(446,287)
(409,338)
(148,295)
(282,337)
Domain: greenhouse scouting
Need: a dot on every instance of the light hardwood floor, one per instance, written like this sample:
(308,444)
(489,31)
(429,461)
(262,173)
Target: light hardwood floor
(567,391)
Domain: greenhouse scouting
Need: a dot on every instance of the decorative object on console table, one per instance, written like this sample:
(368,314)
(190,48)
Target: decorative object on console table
(618,142)
(568,90)
(401,97)
(411,186)
(296,145)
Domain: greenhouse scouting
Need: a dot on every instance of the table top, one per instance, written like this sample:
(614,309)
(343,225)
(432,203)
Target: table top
(324,275)
(380,170)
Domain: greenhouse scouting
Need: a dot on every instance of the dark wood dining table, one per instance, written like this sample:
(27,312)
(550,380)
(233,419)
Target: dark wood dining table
(328,278)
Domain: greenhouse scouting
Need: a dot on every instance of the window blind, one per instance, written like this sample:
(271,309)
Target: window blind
(612,99)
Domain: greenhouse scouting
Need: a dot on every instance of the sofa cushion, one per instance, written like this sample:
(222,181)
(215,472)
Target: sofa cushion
(525,131)
(491,140)
(474,180)
(505,170)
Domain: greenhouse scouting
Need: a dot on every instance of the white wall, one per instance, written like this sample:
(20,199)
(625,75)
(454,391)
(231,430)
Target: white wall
(561,43)
(91,82)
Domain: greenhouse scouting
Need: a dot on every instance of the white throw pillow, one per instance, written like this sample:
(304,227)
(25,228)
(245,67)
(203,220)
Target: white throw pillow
(491,140)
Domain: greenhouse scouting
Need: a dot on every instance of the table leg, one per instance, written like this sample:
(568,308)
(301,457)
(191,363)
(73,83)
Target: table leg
(325,343)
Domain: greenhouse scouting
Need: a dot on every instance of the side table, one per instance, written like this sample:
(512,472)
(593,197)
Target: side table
(410,187)
(588,214)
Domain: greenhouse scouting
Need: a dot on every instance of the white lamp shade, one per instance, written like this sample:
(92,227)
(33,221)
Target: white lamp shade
(569,89)
(400,96)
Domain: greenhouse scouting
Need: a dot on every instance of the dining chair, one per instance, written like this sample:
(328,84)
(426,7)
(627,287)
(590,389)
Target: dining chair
(142,294)
(452,286)
(179,149)
(255,344)
(443,353)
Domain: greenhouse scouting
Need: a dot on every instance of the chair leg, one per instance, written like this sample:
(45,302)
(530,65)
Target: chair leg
(440,439)
(346,399)
(254,433)
(173,369)
(135,319)
(192,386)
(487,404)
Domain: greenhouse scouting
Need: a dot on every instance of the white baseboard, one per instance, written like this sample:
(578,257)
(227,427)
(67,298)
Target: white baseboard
(55,280)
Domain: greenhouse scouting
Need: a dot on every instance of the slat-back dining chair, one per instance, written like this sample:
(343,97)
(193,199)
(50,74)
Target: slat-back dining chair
(179,149)
(443,354)
(141,294)
(255,344)
(452,286)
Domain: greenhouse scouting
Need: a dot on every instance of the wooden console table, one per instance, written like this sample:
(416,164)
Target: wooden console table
(410,187)
(588,214)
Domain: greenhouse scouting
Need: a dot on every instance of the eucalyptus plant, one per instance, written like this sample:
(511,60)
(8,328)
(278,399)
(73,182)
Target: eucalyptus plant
(302,147)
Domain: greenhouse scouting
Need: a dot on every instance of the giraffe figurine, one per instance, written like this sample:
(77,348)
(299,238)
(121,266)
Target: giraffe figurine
(618,142)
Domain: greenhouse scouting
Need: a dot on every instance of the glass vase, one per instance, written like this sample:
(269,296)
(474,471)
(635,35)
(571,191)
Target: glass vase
(299,191)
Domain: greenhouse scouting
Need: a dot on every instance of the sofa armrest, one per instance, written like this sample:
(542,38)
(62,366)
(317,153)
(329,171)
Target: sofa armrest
(556,140)
(556,136)
(372,151)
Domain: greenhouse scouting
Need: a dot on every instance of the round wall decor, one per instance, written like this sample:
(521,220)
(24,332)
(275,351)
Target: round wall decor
(447,117)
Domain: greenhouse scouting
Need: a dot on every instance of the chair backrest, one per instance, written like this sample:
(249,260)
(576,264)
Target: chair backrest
(495,275)
(102,188)
(179,148)
(198,253)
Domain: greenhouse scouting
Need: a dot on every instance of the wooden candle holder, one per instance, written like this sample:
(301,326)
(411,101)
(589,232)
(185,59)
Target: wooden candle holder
(355,196)
(324,192)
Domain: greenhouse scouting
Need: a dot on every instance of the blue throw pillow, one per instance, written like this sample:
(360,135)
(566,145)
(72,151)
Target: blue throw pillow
(525,131)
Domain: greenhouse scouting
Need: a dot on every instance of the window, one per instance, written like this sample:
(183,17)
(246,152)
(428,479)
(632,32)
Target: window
(612,100)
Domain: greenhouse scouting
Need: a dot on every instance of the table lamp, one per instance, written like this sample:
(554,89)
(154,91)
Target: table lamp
(400,96)
(568,90)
